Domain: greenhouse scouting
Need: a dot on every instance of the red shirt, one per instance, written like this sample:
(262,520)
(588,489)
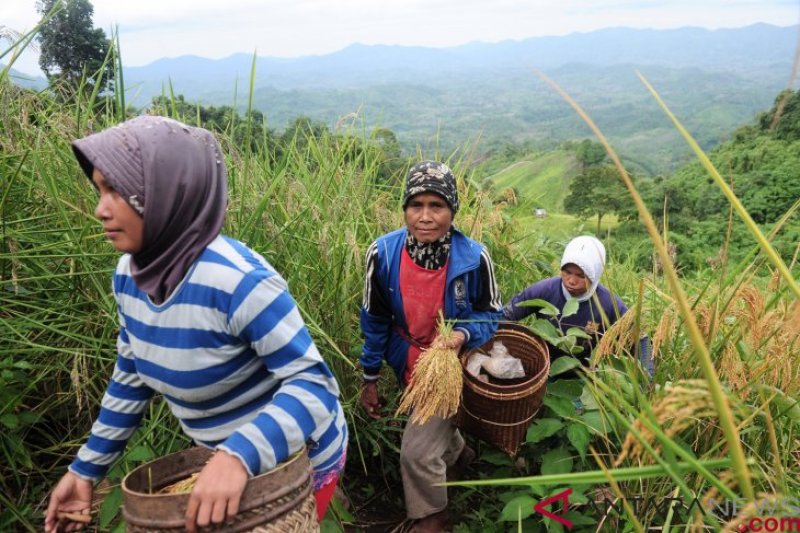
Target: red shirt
(423,297)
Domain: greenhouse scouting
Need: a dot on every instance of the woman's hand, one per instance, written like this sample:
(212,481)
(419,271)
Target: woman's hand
(217,492)
(455,342)
(72,495)
(370,401)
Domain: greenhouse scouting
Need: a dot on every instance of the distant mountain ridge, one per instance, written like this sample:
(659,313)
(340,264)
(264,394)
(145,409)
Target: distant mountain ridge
(440,99)
(757,46)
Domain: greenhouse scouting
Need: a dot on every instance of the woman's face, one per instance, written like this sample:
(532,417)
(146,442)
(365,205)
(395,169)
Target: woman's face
(123,226)
(428,217)
(574,280)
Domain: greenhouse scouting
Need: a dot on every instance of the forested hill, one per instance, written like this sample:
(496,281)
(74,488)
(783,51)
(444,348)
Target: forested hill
(762,164)
(715,80)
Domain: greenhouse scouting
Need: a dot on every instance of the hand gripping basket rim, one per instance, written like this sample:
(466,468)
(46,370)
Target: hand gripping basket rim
(279,500)
(501,414)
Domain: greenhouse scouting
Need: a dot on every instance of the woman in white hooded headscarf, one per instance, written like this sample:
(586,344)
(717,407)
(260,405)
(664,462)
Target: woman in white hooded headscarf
(598,308)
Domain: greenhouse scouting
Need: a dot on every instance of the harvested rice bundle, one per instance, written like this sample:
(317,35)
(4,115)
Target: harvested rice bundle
(436,381)
(182,486)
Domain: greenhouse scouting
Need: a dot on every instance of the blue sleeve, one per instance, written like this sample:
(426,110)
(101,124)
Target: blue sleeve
(267,318)
(646,356)
(376,330)
(486,307)
(376,318)
(513,311)
(121,412)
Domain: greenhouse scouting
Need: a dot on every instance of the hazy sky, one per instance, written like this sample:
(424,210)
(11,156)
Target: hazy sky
(150,29)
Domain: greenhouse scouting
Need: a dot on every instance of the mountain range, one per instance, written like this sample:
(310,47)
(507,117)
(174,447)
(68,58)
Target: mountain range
(489,95)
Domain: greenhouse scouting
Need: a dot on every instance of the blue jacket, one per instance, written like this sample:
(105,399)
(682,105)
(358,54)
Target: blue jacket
(470,296)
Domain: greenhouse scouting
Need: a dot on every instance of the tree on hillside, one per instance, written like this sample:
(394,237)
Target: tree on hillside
(590,153)
(391,163)
(71,47)
(598,191)
(783,120)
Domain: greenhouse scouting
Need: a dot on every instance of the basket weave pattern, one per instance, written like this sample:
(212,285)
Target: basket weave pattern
(278,501)
(499,412)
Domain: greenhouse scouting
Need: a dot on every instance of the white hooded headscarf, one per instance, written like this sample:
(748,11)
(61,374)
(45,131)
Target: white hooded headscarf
(589,254)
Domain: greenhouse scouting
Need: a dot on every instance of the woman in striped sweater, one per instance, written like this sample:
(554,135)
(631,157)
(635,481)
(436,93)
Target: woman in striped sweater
(205,321)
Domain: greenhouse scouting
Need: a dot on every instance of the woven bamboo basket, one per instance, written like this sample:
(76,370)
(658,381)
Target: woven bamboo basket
(500,411)
(278,501)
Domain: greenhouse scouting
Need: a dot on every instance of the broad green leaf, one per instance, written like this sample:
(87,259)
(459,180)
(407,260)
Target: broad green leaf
(558,461)
(495,457)
(518,508)
(563,407)
(29,417)
(112,504)
(9,420)
(578,332)
(594,421)
(578,519)
(341,512)
(563,364)
(543,428)
(545,329)
(329,525)
(587,399)
(140,454)
(579,437)
(565,388)
(570,308)
(545,307)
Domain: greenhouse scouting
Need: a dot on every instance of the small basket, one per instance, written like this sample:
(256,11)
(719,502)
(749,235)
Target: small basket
(278,501)
(500,411)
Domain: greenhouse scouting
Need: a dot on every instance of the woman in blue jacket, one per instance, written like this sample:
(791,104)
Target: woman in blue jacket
(411,275)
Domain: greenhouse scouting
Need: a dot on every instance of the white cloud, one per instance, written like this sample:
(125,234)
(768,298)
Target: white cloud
(150,29)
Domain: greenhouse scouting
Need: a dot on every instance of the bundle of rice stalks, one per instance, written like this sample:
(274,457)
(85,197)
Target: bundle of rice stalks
(436,381)
(181,487)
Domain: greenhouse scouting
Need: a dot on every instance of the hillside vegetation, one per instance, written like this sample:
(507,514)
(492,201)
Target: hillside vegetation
(542,179)
(761,163)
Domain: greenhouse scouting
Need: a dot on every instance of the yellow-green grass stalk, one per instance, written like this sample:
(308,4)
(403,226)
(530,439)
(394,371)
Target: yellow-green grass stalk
(739,462)
(763,242)
(633,519)
(594,477)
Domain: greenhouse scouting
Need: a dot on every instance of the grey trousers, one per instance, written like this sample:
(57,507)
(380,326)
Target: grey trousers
(425,453)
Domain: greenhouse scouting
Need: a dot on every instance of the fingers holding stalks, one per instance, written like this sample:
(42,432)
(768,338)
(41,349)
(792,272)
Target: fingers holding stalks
(70,521)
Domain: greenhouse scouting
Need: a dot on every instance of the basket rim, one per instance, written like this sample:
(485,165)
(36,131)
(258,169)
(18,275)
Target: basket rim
(156,495)
(518,329)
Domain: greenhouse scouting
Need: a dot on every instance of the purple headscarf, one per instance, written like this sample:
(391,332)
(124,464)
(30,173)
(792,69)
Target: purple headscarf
(174,176)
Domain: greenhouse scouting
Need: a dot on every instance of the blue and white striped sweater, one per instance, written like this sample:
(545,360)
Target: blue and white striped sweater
(232,357)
